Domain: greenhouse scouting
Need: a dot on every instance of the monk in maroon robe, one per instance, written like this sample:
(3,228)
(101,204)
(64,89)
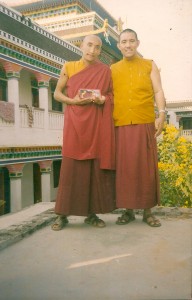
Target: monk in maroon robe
(86,185)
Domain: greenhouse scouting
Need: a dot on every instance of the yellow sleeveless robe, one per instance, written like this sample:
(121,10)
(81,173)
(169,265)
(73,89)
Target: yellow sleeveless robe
(74,67)
(133,92)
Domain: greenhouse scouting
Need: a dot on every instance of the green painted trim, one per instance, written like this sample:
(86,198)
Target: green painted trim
(184,114)
(2,75)
(11,153)
(15,174)
(29,60)
(13,74)
(43,84)
(45,170)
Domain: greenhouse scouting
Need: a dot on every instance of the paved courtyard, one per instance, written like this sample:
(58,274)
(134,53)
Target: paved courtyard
(80,262)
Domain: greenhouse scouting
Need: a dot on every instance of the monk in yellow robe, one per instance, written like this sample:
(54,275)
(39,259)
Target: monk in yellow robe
(137,86)
(87,182)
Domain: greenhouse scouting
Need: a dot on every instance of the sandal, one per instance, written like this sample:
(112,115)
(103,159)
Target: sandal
(151,220)
(94,221)
(127,217)
(59,223)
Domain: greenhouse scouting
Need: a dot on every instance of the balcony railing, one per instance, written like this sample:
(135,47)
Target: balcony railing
(55,120)
(34,117)
(186,132)
(31,117)
(4,123)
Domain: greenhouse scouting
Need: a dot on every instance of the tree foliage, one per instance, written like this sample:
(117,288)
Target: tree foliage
(175,168)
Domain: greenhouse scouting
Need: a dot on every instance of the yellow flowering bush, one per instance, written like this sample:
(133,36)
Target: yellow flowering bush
(175,168)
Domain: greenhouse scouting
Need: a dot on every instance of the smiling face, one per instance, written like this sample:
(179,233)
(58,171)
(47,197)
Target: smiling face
(128,44)
(91,48)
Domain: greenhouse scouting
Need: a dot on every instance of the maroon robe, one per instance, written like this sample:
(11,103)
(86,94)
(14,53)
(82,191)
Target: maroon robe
(137,178)
(87,182)
(89,129)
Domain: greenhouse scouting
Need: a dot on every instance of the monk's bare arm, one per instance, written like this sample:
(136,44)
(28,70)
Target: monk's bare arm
(61,97)
(159,98)
(58,94)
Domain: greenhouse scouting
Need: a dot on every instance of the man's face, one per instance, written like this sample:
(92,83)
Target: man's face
(128,44)
(91,48)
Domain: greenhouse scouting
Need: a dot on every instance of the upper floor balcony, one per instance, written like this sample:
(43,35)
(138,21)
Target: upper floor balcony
(29,114)
(32,129)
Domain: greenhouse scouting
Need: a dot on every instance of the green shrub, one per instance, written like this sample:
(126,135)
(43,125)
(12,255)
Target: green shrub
(175,168)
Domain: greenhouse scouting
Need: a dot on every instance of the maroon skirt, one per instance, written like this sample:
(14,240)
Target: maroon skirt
(137,179)
(84,188)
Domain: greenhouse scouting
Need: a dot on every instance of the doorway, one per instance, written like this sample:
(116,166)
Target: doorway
(37,183)
(4,191)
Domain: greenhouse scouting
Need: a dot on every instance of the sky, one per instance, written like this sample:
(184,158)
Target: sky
(164,28)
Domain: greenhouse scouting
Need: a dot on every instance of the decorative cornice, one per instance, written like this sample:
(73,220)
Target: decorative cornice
(45,6)
(184,113)
(32,68)
(43,80)
(11,67)
(16,170)
(13,153)
(179,104)
(27,61)
(42,84)
(32,50)
(71,21)
(12,70)
(55,24)
(13,74)
(27,22)
(45,166)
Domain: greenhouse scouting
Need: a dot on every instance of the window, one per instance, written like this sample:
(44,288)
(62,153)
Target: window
(56,172)
(56,105)
(4,191)
(186,123)
(3,90)
(35,96)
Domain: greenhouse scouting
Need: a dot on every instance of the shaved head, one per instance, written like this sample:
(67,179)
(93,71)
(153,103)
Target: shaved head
(92,37)
(91,48)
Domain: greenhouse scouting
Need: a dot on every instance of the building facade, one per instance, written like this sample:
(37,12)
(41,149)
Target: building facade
(179,113)
(36,40)
(72,19)
(31,121)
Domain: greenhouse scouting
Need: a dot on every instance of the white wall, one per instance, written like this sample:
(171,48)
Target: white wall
(29,137)
(173,119)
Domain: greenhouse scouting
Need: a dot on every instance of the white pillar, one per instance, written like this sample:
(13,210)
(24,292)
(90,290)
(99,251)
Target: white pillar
(43,103)
(45,167)
(46,187)
(15,174)
(173,119)
(13,96)
(16,197)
